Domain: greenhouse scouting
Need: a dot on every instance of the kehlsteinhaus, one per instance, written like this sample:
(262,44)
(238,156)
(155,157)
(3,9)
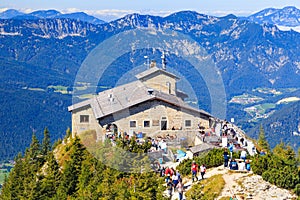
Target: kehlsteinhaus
(150,105)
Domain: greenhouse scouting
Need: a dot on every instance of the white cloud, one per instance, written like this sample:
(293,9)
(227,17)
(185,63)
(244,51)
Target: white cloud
(3,9)
(71,10)
(224,13)
(28,10)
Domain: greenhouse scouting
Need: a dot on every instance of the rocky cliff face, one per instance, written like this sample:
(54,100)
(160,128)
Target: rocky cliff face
(248,55)
(54,28)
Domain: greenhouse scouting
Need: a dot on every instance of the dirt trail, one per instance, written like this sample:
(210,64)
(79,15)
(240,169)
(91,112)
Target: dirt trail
(231,183)
(245,185)
(188,182)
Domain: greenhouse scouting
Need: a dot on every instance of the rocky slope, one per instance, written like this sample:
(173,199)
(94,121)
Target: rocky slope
(245,186)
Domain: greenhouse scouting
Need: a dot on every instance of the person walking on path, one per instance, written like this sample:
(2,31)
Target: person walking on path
(168,174)
(194,170)
(170,186)
(175,180)
(243,155)
(231,146)
(226,157)
(248,167)
(202,170)
(180,188)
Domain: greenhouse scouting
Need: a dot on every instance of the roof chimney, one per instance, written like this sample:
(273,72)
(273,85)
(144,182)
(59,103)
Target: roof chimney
(153,64)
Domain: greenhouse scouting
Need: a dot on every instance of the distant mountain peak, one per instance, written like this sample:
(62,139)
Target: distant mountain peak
(49,14)
(45,13)
(82,16)
(290,8)
(188,13)
(288,16)
(10,13)
(230,16)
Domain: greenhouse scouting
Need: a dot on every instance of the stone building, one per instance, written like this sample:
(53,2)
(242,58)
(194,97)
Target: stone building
(150,105)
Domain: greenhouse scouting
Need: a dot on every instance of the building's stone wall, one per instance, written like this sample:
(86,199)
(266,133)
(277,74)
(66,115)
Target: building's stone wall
(79,127)
(161,83)
(152,111)
(155,112)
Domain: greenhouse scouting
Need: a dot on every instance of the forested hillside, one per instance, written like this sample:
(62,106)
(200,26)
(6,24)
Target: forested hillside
(69,171)
(283,125)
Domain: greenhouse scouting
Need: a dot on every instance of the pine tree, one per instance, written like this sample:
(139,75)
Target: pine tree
(31,165)
(51,179)
(68,133)
(34,150)
(46,145)
(84,187)
(262,141)
(72,170)
(13,187)
(298,157)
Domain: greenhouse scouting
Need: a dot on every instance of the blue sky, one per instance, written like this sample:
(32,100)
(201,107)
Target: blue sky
(119,8)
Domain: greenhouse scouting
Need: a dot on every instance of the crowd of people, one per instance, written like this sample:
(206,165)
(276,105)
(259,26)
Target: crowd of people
(158,145)
(174,180)
(233,164)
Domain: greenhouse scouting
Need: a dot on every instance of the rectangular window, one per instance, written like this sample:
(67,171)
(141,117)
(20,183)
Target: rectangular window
(84,118)
(132,124)
(146,123)
(188,123)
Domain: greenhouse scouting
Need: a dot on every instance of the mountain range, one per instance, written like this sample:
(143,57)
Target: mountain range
(41,53)
(49,14)
(287,16)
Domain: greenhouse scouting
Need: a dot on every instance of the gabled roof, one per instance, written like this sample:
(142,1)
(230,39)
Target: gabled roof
(125,96)
(154,70)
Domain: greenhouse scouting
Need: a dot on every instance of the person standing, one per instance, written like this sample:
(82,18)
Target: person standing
(231,146)
(180,188)
(226,157)
(170,186)
(168,174)
(175,180)
(194,170)
(202,170)
(178,174)
(248,167)
(243,155)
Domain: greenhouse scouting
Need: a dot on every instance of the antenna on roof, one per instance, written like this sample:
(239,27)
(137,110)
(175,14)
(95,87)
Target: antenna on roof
(163,61)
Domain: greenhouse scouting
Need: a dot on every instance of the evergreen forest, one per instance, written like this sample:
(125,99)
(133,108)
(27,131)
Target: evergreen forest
(69,171)
(73,169)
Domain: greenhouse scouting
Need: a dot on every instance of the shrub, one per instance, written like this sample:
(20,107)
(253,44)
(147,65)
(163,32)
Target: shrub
(276,170)
(213,158)
(297,189)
